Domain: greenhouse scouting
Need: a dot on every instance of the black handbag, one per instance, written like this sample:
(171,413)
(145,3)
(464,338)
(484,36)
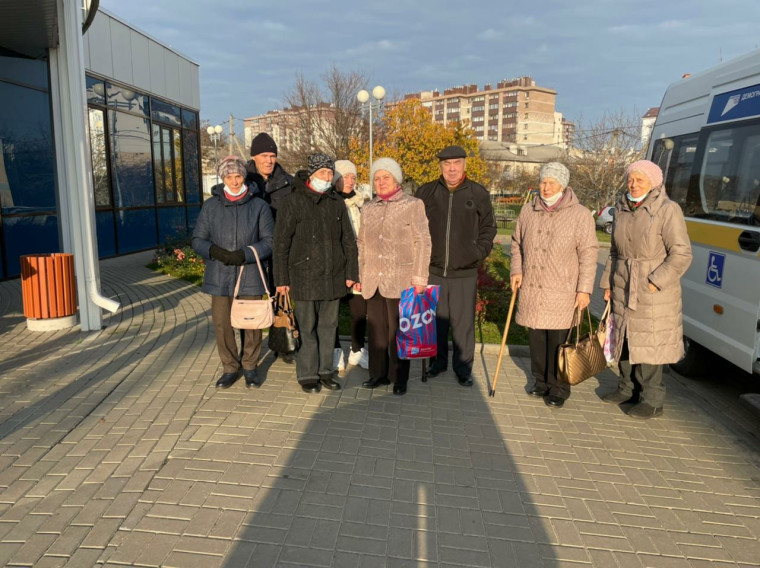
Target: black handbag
(283,335)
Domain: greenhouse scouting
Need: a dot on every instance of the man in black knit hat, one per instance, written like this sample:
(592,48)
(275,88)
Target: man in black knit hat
(263,170)
(274,183)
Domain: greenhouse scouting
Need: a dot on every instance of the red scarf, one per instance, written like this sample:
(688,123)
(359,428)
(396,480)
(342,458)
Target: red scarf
(235,197)
(388,197)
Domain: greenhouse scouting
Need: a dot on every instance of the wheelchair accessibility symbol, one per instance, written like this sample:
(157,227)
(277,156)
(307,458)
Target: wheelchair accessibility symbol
(714,276)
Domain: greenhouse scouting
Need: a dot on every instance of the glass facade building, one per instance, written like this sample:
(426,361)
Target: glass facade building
(144,157)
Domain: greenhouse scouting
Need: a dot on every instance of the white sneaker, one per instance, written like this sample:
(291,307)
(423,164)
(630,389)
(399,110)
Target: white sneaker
(360,358)
(338,360)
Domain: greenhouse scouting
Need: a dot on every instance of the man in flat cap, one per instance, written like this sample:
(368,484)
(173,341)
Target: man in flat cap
(462,229)
(263,169)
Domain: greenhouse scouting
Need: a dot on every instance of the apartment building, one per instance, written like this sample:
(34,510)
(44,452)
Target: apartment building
(288,129)
(515,111)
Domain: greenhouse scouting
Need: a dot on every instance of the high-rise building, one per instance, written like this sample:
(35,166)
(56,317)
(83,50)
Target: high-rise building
(515,111)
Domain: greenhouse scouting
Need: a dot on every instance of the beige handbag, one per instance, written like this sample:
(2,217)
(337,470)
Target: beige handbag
(601,331)
(578,361)
(251,314)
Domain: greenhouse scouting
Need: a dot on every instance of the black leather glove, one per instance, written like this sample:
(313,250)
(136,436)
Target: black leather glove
(236,257)
(220,254)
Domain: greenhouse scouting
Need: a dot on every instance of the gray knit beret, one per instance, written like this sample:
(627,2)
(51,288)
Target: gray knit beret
(389,165)
(231,165)
(557,171)
(318,161)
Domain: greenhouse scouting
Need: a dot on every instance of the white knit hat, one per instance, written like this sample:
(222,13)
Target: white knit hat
(389,165)
(344,167)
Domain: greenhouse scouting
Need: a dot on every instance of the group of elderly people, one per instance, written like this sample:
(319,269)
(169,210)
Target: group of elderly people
(328,244)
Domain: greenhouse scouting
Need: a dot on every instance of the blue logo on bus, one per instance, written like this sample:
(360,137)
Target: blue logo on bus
(741,103)
(715,262)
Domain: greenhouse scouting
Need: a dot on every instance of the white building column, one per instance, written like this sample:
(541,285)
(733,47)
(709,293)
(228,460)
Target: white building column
(76,201)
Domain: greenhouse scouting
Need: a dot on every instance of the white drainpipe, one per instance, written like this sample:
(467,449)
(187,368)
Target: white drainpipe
(76,192)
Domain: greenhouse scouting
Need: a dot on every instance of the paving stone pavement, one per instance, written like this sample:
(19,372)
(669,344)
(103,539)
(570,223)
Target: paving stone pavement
(116,450)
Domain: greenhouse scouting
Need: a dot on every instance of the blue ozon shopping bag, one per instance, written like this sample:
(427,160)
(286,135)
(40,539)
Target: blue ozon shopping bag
(416,337)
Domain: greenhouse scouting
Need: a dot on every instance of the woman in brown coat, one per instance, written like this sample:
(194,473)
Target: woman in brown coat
(650,251)
(394,254)
(554,250)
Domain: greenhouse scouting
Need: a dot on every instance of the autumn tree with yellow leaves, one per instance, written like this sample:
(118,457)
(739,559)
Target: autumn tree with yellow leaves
(407,133)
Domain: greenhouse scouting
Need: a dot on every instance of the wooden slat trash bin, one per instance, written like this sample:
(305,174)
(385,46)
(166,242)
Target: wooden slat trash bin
(49,291)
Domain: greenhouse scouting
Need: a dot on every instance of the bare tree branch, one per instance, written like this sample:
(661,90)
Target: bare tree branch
(602,150)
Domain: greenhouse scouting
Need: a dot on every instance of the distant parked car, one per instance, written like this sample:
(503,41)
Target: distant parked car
(604,219)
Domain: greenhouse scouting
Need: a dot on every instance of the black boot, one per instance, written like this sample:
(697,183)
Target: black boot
(374,383)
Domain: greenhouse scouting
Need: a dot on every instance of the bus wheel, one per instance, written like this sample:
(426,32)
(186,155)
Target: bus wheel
(608,228)
(694,361)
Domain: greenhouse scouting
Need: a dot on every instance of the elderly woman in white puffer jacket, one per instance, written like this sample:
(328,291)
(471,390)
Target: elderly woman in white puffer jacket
(554,253)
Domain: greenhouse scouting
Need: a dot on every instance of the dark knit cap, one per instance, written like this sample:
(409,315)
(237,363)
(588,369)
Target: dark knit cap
(263,143)
(318,161)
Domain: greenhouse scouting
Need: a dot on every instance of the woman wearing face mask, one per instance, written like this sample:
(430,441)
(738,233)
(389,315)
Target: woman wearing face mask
(554,250)
(315,259)
(231,221)
(649,253)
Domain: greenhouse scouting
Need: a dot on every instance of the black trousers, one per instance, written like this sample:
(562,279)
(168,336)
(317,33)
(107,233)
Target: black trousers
(382,321)
(456,310)
(358,306)
(641,381)
(544,344)
(226,345)
(317,321)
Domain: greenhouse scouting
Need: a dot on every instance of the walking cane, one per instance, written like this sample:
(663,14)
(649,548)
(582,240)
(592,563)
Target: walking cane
(503,342)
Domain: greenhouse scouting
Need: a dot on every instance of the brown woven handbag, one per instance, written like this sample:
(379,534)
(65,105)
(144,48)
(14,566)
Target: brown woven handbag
(582,359)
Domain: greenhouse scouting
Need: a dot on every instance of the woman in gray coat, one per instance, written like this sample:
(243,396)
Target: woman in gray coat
(554,250)
(650,251)
(231,221)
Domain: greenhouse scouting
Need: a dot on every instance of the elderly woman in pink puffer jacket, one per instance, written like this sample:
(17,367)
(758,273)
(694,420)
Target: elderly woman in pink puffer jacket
(394,254)
(554,252)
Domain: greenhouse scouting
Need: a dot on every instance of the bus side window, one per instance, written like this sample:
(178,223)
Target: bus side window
(748,180)
(730,175)
(676,158)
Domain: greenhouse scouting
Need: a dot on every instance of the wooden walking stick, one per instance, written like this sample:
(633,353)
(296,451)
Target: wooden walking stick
(503,341)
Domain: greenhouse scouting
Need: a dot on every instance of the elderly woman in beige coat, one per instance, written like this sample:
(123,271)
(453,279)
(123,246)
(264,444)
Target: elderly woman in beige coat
(649,253)
(554,251)
(394,254)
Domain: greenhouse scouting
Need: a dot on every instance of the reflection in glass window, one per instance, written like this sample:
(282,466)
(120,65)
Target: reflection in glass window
(124,98)
(177,147)
(27,161)
(675,156)
(131,170)
(29,234)
(167,155)
(165,112)
(31,72)
(99,158)
(729,185)
(189,119)
(190,157)
(96,90)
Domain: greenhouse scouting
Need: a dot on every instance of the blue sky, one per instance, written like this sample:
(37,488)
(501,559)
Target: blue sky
(599,55)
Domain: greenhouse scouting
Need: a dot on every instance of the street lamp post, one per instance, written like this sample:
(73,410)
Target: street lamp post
(215,132)
(378,93)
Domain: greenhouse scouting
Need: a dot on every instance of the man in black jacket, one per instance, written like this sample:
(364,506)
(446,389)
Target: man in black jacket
(462,228)
(273,183)
(263,170)
(316,260)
